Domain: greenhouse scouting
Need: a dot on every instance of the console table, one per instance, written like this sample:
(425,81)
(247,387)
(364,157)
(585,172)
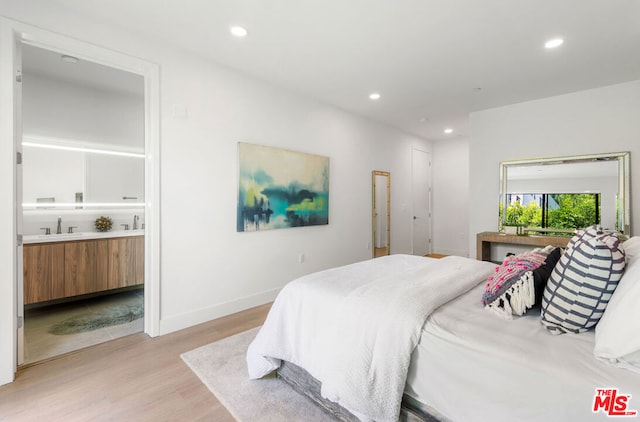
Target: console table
(485,239)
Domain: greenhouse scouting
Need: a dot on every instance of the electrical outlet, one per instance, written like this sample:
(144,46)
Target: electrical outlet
(301,258)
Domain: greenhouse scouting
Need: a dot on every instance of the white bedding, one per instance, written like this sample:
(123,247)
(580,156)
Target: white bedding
(472,366)
(354,327)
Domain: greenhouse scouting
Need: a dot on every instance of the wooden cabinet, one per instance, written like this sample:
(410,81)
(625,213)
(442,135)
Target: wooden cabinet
(484,241)
(80,267)
(43,272)
(126,262)
(66,269)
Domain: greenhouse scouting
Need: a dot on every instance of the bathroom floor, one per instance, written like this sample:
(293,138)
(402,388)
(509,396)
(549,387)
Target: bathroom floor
(39,344)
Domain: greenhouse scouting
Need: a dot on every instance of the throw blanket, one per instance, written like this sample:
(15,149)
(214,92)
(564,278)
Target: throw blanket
(511,289)
(354,327)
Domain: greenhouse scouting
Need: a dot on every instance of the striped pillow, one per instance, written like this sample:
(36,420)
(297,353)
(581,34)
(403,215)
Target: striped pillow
(582,283)
(584,235)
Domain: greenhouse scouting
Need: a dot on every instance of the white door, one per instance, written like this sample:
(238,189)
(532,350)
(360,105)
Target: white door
(18,194)
(421,191)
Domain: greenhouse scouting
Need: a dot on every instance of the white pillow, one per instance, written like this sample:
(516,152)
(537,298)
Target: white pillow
(631,248)
(618,331)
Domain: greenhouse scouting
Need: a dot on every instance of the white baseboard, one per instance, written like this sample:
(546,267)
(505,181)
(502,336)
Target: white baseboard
(179,322)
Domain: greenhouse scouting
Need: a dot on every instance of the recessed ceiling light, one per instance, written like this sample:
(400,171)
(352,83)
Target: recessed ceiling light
(238,31)
(556,42)
(374,96)
(69,59)
(448,130)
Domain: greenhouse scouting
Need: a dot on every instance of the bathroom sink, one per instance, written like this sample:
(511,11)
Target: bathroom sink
(61,236)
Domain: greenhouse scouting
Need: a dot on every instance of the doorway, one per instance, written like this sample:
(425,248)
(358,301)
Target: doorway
(421,192)
(13,35)
(82,162)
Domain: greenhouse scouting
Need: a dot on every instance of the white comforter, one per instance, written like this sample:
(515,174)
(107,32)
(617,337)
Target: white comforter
(354,327)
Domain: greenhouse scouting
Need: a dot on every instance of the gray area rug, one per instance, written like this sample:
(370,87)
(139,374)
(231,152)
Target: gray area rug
(222,367)
(93,320)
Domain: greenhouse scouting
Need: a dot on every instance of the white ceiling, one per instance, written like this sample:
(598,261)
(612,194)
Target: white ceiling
(49,64)
(433,59)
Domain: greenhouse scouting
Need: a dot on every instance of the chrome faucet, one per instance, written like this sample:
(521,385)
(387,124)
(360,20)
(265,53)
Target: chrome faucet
(135,222)
(59,228)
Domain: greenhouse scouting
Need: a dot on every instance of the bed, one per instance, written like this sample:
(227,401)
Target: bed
(462,362)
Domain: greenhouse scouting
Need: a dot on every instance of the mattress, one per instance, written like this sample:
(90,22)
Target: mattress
(302,382)
(471,365)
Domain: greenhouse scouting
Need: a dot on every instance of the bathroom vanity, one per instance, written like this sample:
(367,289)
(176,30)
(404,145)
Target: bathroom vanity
(68,265)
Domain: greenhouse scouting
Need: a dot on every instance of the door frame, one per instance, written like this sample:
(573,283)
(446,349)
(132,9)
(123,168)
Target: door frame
(12,32)
(18,199)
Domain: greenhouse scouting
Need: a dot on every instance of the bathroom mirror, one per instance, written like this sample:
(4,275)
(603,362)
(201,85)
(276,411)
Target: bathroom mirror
(381,213)
(561,194)
(75,178)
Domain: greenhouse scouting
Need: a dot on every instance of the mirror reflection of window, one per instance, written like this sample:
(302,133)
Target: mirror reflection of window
(553,210)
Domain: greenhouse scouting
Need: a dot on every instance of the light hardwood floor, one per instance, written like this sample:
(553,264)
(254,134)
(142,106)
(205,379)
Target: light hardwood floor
(134,378)
(435,255)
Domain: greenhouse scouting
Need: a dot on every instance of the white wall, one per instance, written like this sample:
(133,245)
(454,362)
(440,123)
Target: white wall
(205,263)
(451,197)
(207,268)
(599,120)
(66,110)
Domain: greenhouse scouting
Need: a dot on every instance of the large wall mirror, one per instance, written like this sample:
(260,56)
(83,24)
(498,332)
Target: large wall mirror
(381,213)
(561,194)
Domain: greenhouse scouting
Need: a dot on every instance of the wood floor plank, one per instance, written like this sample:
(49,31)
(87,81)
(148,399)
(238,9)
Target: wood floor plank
(131,378)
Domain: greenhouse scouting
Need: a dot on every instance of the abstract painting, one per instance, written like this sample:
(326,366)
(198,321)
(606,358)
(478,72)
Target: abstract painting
(279,188)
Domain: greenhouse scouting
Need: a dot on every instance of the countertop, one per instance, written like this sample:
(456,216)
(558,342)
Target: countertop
(65,237)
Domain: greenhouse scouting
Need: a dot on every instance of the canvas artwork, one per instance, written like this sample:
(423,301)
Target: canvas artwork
(279,188)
